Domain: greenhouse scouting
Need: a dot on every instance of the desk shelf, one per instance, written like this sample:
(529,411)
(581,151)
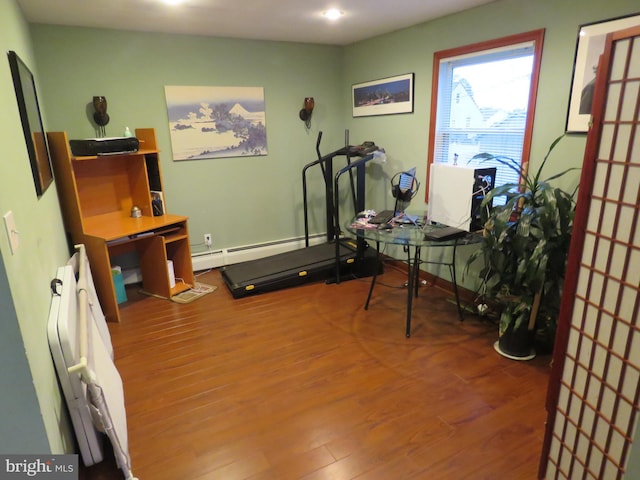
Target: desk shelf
(96,196)
(174,238)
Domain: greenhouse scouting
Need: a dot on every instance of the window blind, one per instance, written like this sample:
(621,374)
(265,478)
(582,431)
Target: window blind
(482,107)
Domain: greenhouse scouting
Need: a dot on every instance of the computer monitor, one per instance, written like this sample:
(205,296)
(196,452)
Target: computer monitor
(448,202)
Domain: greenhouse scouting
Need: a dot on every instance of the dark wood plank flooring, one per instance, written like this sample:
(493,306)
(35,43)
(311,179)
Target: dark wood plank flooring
(303,383)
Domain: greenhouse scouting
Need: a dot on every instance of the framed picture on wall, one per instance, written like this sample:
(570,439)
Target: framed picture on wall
(34,134)
(216,122)
(385,96)
(590,45)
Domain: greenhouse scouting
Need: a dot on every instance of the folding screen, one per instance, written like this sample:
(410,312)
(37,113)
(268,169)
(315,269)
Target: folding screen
(595,383)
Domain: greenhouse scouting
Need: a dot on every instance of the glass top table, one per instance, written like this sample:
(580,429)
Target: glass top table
(416,237)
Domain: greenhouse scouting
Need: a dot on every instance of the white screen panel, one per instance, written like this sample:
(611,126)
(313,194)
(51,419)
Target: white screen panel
(633,274)
(617,173)
(634,353)
(608,220)
(628,304)
(620,338)
(591,323)
(632,378)
(630,97)
(618,257)
(608,403)
(622,145)
(585,352)
(601,260)
(611,110)
(610,299)
(619,60)
(595,213)
(630,194)
(625,222)
(635,150)
(614,372)
(606,141)
(634,65)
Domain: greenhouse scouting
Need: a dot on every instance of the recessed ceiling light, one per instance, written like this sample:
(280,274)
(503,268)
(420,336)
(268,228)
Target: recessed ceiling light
(172,2)
(333,14)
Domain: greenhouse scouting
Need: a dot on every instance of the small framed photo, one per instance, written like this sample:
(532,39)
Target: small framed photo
(385,96)
(590,45)
(157,203)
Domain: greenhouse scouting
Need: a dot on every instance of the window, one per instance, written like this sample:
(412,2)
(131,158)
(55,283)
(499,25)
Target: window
(483,100)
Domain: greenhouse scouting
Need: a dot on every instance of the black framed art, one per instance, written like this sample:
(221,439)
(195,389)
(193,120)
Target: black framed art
(590,45)
(34,134)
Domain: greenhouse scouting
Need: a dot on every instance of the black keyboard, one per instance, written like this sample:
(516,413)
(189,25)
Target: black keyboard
(384,216)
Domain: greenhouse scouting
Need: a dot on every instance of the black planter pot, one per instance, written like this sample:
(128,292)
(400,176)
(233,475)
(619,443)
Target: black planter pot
(516,345)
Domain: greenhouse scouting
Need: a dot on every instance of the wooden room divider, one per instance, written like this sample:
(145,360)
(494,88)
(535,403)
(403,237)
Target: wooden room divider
(594,387)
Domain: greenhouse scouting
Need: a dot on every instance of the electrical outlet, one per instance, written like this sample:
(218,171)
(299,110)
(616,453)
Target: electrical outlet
(207,239)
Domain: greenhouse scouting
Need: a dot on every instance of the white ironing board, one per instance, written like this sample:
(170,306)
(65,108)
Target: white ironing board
(83,356)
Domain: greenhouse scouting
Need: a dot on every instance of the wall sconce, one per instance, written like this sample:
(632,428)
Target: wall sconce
(101,117)
(307,110)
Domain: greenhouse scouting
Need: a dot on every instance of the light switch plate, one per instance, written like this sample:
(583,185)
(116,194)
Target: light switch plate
(12,232)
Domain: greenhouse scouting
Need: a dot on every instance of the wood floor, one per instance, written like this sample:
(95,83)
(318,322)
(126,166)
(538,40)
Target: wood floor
(303,383)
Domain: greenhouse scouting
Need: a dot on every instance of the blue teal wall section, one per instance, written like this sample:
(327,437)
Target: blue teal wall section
(21,426)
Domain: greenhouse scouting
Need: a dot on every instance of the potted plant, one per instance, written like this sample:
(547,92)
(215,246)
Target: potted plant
(525,244)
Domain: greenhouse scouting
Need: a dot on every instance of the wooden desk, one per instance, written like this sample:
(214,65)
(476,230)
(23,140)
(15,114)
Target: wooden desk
(96,196)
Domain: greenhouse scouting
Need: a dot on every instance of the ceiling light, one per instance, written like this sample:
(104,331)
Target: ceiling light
(172,2)
(333,14)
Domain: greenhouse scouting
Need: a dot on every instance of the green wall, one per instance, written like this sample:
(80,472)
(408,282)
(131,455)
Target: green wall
(32,416)
(244,201)
(227,197)
(411,50)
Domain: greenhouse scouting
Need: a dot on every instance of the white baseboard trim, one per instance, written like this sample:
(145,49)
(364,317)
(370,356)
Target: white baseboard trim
(228,256)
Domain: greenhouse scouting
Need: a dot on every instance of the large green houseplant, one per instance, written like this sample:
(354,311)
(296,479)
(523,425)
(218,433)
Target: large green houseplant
(524,247)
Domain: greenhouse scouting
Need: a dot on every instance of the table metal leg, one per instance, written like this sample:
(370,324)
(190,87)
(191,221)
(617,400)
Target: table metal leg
(455,282)
(375,275)
(409,295)
(416,271)
(412,288)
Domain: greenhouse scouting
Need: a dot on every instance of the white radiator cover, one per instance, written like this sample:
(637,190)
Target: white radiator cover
(228,256)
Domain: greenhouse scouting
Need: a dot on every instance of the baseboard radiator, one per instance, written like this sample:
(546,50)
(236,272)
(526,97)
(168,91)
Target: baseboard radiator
(227,256)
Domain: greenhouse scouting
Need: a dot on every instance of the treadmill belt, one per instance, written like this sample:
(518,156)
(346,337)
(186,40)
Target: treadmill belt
(284,269)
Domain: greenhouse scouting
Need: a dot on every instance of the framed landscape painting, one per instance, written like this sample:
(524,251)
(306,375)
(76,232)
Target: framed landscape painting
(216,122)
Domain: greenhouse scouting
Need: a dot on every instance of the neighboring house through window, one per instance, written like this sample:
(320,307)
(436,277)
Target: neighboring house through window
(483,100)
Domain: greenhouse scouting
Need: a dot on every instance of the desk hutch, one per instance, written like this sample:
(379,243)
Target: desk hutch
(97,194)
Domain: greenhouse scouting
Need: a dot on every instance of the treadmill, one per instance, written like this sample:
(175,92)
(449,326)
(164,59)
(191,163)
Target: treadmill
(337,258)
